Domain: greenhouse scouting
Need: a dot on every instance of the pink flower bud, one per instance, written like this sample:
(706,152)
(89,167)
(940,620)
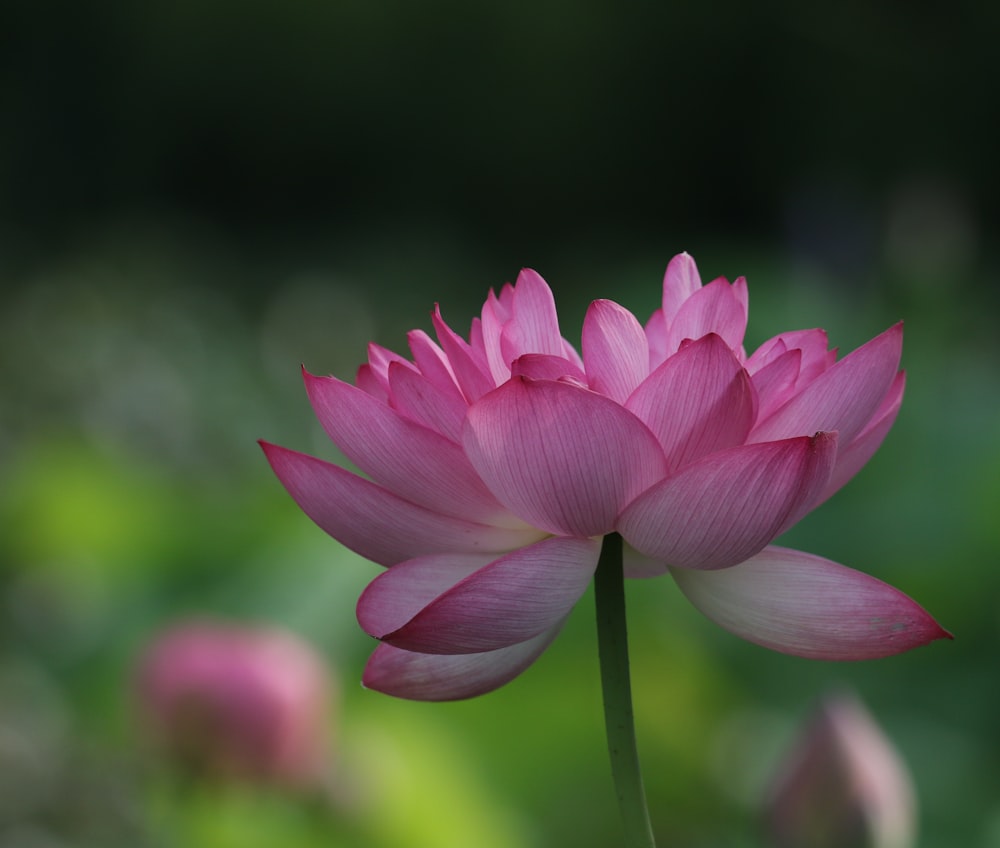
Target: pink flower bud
(842,785)
(236,702)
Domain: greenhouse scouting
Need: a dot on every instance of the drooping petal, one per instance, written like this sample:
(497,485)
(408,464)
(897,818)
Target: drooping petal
(560,457)
(407,458)
(852,459)
(842,398)
(420,400)
(534,323)
(469,367)
(450,677)
(374,522)
(729,505)
(615,350)
(802,604)
(435,605)
(680,281)
(714,308)
(699,401)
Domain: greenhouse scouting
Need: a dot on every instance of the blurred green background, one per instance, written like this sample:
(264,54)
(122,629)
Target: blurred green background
(195,197)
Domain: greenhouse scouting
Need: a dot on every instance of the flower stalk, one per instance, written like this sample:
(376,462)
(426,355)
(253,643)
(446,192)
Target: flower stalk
(612,640)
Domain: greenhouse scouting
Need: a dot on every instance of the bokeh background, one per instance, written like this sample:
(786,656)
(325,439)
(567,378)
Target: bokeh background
(195,197)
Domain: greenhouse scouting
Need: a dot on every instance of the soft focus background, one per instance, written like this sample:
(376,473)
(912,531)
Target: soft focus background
(196,197)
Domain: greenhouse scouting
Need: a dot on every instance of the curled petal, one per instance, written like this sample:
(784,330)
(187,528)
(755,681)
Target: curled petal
(728,506)
(844,397)
(407,458)
(450,677)
(615,350)
(377,524)
(450,604)
(808,606)
(699,401)
(852,459)
(560,457)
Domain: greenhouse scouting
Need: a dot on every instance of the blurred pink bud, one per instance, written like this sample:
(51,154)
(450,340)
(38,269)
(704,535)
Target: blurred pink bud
(842,785)
(236,702)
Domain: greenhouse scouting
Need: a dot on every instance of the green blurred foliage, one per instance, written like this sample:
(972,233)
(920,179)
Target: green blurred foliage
(195,198)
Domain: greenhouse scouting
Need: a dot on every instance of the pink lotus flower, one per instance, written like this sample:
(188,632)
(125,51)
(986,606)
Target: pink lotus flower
(498,463)
(236,702)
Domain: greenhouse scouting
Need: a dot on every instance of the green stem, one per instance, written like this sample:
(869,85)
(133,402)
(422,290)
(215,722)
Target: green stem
(612,647)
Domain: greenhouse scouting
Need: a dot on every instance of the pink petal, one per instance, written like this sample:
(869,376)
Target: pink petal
(447,604)
(377,524)
(808,606)
(560,457)
(844,397)
(727,506)
(679,282)
(540,366)
(432,362)
(615,350)
(852,459)
(380,358)
(715,308)
(368,382)
(775,382)
(494,316)
(469,367)
(656,336)
(410,460)
(450,677)
(534,323)
(420,400)
(699,401)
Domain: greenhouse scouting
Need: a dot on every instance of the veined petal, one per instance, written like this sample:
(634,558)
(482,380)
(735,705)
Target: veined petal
(802,604)
(374,522)
(560,457)
(541,366)
(469,367)
(432,362)
(844,397)
(494,315)
(714,308)
(407,458)
(615,350)
(656,336)
(775,382)
(450,677)
(680,281)
(852,459)
(699,401)
(420,400)
(380,358)
(729,505)
(534,323)
(449,604)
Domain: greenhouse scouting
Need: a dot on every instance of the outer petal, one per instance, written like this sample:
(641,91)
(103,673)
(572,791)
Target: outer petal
(435,605)
(450,677)
(699,401)
(407,458)
(615,350)
(851,460)
(844,397)
(808,606)
(562,458)
(375,523)
(715,308)
(728,506)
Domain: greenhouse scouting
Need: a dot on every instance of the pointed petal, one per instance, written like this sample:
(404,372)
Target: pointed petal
(715,308)
(470,368)
(407,458)
(728,506)
(615,350)
(534,323)
(435,605)
(808,606)
(844,397)
(377,524)
(380,358)
(699,401)
(775,382)
(679,282)
(432,362)
(416,397)
(560,457)
(450,677)
(852,459)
